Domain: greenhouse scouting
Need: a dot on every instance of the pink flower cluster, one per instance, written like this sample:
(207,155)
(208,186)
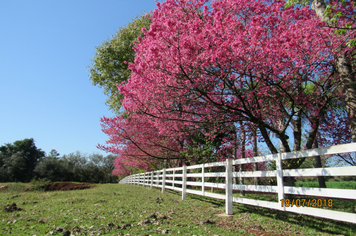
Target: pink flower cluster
(215,65)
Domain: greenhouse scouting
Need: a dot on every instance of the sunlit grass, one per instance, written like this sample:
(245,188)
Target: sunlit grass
(104,209)
(339,185)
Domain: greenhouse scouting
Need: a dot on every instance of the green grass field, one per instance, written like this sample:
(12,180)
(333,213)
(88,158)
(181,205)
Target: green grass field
(340,185)
(113,209)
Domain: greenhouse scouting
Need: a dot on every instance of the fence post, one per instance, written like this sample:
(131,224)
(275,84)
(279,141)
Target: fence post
(203,180)
(157,178)
(279,176)
(228,189)
(144,179)
(151,179)
(164,180)
(174,172)
(184,184)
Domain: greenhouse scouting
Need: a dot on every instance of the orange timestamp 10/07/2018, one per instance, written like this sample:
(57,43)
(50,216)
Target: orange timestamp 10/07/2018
(303,202)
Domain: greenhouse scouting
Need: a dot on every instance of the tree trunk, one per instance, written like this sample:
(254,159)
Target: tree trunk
(344,69)
(243,143)
(318,164)
(165,164)
(236,169)
(349,89)
(287,181)
(255,153)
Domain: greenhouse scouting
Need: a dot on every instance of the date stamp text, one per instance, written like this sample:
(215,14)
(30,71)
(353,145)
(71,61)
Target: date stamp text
(303,202)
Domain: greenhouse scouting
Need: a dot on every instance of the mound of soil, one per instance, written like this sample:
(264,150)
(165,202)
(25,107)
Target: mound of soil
(12,207)
(64,186)
(3,187)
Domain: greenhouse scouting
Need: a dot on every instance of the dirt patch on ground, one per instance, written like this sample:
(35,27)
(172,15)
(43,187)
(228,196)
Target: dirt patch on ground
(65,186)
(254,229)
(3,187)
(12,207)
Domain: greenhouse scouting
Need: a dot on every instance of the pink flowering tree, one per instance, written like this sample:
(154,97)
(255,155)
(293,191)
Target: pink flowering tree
(340,16)
(334,130)
(218,65)
(138,143)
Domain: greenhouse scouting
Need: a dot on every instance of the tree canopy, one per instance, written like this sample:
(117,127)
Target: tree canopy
(22,161)
(18,160)
(110,63)
(244,64)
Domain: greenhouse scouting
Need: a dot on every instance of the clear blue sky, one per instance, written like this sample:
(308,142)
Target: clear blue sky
(46,48)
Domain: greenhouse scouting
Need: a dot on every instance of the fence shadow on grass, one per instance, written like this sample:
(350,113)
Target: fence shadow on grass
(216,202)
(195,179)
(319,224)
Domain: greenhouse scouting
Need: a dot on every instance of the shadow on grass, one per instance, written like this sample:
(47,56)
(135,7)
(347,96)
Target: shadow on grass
(216,202)
(318,224)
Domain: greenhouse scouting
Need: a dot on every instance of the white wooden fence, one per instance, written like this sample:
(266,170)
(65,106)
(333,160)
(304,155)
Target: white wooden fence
(177,179)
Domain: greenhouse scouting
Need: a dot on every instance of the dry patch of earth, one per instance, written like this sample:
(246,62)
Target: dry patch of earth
(65,186)
(3,187)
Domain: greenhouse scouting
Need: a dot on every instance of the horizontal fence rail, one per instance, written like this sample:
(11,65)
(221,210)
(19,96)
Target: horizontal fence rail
(177,179)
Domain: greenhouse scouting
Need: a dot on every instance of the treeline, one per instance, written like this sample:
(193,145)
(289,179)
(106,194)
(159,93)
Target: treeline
(22,161)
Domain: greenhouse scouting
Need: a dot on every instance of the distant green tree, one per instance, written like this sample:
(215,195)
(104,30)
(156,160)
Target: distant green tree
(99,169)
(109,161)
(54,153)
(18,160)
(110,63)
(77,167)
(51,167)
(74,166)
(108,164)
